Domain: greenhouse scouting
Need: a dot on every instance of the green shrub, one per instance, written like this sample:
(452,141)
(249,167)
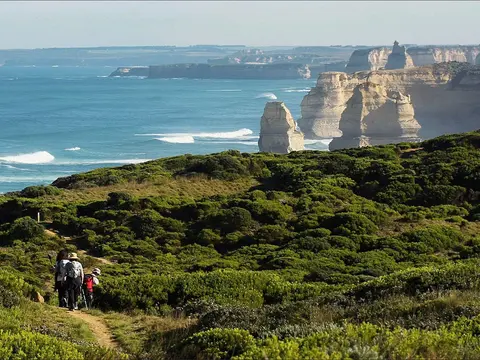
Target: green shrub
(25,229)
(8,298)
(39,191)
(216,344)
(350,223)
(366,341)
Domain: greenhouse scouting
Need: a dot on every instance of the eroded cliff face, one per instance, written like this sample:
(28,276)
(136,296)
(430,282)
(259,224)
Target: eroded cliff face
(278,131)
(376,116)
(426,55)
(368,59)
(399,57)
(323,106)
(444,100)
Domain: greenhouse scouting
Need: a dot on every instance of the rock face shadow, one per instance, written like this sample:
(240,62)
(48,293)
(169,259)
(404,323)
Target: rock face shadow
(375,116)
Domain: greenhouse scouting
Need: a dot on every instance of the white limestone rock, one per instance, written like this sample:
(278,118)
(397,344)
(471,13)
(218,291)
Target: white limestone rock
(278,130)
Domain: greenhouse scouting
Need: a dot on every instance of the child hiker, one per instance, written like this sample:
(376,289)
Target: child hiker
(89,282)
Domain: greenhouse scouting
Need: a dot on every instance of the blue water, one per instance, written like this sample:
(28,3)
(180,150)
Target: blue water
(106,121)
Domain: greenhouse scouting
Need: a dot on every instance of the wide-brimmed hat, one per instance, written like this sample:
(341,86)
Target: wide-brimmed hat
(96,271)
(73,256)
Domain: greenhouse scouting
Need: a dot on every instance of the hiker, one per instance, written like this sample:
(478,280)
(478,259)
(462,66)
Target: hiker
(74,281)
(60,278)
(89,282)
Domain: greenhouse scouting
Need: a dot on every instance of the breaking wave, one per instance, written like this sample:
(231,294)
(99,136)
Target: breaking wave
(270,96)
(76,148)
(39,157)
(177,139)
(14,167)
(297,90)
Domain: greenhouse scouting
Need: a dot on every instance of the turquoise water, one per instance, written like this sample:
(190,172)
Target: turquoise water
(57,121)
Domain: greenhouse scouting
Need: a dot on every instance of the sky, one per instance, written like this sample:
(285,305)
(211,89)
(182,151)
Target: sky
(39,24)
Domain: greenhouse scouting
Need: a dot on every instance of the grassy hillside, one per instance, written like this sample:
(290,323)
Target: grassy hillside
(368,253)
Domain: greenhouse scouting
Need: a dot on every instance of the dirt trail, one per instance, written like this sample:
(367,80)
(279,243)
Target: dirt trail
(98,327)
(81,252)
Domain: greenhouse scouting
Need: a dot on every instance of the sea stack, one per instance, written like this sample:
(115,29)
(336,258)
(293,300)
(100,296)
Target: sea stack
(398,58)
(278,130)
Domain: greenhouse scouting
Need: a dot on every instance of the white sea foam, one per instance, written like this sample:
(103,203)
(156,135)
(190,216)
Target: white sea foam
(35,179)
(102,76)
(177,139)
(296,90)
(238,134)
(76,148)
(14,167)
(131,77)
(270,96)
(39,157)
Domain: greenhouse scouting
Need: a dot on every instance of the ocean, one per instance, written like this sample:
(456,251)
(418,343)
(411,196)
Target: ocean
(57,121)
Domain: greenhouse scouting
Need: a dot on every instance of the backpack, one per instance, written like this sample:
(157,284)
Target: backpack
(74,269)
(88,282)
(61,270)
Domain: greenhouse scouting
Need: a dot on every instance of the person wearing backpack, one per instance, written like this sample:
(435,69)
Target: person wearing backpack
(61,277)
(74,281)
(89,282)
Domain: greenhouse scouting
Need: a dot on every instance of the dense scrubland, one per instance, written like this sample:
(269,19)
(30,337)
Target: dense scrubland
(368,253)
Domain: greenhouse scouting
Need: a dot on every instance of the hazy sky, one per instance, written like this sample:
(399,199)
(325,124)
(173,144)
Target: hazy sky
(34,24)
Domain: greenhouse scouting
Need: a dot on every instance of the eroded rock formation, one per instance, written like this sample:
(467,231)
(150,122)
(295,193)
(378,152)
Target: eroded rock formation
(368,59)
(398,58)
(323,106)
(426,55)
(278,130)
(376,116)
(444,97)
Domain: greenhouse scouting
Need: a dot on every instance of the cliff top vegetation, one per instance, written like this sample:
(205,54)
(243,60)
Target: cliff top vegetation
(357,253)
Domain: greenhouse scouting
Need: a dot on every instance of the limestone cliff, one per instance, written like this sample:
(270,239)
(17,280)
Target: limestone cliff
(325,103)
(425,55)
(398,58)
(376,116)
(278,132)
(444,96)
(368,59)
